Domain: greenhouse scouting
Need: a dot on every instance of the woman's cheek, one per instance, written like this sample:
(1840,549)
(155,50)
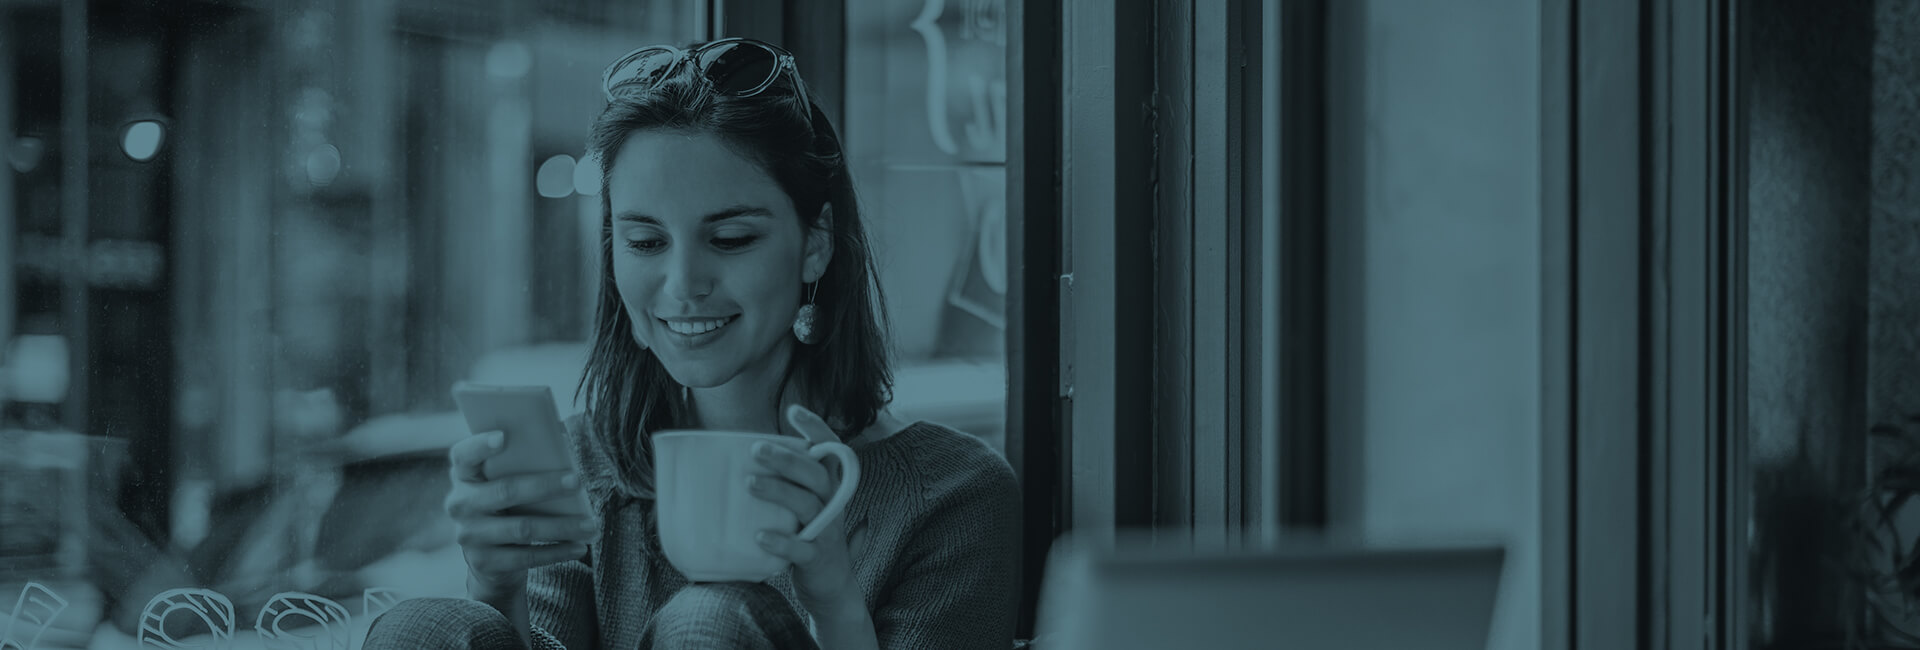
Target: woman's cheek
(623,285)
(638,330)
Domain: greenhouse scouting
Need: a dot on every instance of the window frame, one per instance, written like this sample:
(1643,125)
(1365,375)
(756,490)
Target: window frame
(1166,420)
(1035,388)
(1299,458)
(1644,348)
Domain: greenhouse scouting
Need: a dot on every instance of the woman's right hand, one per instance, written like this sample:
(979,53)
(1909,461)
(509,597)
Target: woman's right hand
(500,548)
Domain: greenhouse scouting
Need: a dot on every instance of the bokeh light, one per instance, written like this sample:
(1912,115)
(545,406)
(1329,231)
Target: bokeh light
(586,176)
(26,152)
(509,60)
(555,180)
(142,140)
(323,165)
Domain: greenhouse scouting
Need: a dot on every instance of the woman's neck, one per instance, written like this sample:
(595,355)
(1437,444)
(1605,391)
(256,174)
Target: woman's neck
(731,408)
(746,403)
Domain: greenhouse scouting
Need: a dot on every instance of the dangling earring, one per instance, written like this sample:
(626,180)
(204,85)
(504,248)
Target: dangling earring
(803,321)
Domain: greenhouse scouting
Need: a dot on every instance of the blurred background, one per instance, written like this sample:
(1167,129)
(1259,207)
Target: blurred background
(1435,293)
(300,222)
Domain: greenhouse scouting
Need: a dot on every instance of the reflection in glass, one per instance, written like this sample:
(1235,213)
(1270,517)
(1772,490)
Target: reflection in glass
(175,617)
(294,621)
(31,617)
(376,600)
(926,135)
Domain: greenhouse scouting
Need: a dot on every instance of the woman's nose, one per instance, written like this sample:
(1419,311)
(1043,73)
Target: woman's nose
(689,276)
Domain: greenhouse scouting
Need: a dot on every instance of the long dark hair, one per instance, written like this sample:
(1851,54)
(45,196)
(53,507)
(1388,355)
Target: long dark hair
(845,377)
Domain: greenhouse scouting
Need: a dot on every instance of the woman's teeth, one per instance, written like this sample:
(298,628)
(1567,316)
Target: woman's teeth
(698,327)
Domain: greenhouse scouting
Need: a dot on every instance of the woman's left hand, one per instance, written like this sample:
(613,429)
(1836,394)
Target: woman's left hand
(823,568)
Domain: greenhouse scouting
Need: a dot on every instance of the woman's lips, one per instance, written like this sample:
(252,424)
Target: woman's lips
(691,327)
(697,332)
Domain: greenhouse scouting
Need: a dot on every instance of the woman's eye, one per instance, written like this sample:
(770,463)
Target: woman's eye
(729,243)
(644,245)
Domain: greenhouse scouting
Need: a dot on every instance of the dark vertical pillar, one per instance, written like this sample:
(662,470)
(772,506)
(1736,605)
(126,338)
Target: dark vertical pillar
(816,34)
(1301,395)
(1808,135)
(1035,429)
(74,158)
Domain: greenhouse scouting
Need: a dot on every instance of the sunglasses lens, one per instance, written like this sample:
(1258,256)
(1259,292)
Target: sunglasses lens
(739,68)
(642,69)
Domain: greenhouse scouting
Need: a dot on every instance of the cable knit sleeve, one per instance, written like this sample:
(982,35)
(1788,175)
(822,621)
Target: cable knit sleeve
(959,590)
(560,606)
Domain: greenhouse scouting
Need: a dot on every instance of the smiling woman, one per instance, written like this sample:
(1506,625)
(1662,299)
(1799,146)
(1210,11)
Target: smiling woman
(737,293)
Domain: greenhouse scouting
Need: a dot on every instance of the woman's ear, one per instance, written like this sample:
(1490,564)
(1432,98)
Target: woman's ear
(820,244)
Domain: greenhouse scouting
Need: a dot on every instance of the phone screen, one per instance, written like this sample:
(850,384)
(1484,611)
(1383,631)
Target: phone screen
(535,436)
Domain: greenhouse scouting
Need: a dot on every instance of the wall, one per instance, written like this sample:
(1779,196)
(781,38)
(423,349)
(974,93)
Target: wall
(1435,138)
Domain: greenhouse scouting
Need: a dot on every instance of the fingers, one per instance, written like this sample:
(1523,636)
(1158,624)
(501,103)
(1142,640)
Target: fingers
(479,499)
(527,530)
(784,462)
(467,455)
(503,560)
(810,425)
(804,504)
(501,545)
(787,547)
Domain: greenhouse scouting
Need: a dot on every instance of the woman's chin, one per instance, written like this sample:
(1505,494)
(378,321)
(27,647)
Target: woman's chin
(697,375)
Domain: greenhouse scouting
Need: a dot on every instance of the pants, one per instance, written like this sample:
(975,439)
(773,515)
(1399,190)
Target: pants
(716,615)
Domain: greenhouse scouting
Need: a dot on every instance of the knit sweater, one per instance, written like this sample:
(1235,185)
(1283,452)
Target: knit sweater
(932,530)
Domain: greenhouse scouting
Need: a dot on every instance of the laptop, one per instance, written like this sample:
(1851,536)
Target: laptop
(1298,596)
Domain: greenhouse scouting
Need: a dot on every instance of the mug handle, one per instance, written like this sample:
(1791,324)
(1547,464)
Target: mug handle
(849,479)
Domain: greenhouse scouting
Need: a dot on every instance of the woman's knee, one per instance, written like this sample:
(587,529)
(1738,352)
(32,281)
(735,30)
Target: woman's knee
(724,599)
(729,615)
(449,623)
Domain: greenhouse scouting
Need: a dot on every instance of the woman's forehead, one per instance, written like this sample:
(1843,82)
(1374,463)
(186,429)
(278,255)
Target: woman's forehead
(673,175)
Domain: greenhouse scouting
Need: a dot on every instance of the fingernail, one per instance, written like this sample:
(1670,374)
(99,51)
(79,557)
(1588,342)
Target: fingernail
(762,450)
(753,482)
(763,537)
(588,524)
(496,439)
(570,481)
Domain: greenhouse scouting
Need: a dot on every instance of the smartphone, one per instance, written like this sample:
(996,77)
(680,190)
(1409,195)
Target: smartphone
(535,436)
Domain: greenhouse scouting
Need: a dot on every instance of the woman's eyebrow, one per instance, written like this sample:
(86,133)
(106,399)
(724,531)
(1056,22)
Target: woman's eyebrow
(731,212)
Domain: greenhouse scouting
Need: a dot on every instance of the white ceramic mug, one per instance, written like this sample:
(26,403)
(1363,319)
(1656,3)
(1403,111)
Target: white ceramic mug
(708,519)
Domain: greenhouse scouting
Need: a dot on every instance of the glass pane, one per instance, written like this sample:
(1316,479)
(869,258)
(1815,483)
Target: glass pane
(926,135)
(305,221)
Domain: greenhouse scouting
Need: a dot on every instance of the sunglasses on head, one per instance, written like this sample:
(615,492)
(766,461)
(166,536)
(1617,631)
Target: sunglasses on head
(736,67)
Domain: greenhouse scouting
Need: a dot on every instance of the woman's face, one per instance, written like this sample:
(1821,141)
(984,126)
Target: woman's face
(708,255)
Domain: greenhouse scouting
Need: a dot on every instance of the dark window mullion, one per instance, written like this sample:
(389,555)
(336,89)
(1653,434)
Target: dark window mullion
(1036,434)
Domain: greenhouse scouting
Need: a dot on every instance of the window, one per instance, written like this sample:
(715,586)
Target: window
(926,132)
(332,241)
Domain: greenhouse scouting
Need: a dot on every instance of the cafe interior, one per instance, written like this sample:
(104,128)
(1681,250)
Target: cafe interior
(1506,324)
